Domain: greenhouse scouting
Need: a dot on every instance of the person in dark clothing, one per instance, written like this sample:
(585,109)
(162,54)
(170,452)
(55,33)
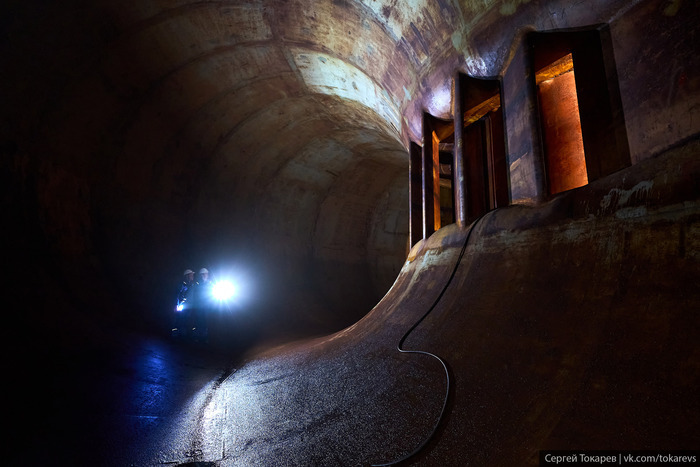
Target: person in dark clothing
(201,307)
(182,322)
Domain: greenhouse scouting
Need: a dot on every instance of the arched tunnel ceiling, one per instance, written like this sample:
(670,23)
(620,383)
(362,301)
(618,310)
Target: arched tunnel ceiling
(170,134)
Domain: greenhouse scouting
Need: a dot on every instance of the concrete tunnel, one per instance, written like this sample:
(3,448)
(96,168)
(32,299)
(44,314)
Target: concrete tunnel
(546,251)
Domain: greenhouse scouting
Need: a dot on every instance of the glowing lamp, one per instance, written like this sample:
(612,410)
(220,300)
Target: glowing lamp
(223,290)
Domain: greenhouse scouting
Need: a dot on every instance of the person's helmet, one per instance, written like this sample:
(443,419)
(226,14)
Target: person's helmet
(187,271)
(203,271)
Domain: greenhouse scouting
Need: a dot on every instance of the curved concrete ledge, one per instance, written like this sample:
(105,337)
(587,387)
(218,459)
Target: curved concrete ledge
(554,332)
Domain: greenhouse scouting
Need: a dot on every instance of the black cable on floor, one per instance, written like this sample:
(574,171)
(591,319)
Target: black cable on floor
(422,352)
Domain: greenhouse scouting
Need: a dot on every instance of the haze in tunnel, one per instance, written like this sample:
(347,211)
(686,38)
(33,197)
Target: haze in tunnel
(244,135)
(268,137)
(268,141)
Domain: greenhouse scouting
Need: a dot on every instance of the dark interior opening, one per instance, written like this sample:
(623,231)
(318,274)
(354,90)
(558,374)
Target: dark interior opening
(447,214)
(483,148)
(415,195)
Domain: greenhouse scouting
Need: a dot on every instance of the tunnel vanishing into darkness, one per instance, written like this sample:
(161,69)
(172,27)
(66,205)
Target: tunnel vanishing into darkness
(310,149)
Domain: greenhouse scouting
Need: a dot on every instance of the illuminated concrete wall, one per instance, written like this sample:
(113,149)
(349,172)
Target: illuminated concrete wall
(144,137)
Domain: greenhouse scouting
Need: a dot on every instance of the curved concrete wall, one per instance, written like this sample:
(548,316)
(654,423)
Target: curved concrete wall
(571,325)
(143,137)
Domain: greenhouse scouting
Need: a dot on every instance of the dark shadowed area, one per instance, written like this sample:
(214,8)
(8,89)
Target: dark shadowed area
(542,253)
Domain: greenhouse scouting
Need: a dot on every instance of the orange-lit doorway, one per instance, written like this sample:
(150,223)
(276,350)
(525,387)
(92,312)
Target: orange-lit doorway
(437,174)
(562,140)
(582,127)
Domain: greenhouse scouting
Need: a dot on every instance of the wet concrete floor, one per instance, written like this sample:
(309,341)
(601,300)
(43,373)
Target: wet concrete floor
(153,401)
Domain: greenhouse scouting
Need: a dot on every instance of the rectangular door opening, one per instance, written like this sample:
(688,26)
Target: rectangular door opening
(562,139)
(481,169)
(582,126)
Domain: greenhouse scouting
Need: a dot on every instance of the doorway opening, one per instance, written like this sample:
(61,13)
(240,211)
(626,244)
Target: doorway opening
(480,153)
(562,140)
(582,126)
(447,214)
(438,210)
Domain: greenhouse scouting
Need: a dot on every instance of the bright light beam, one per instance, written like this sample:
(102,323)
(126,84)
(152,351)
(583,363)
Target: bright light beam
(224,290)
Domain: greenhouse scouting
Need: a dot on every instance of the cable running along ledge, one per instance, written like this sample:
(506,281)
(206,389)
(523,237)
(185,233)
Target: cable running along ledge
(422,352)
